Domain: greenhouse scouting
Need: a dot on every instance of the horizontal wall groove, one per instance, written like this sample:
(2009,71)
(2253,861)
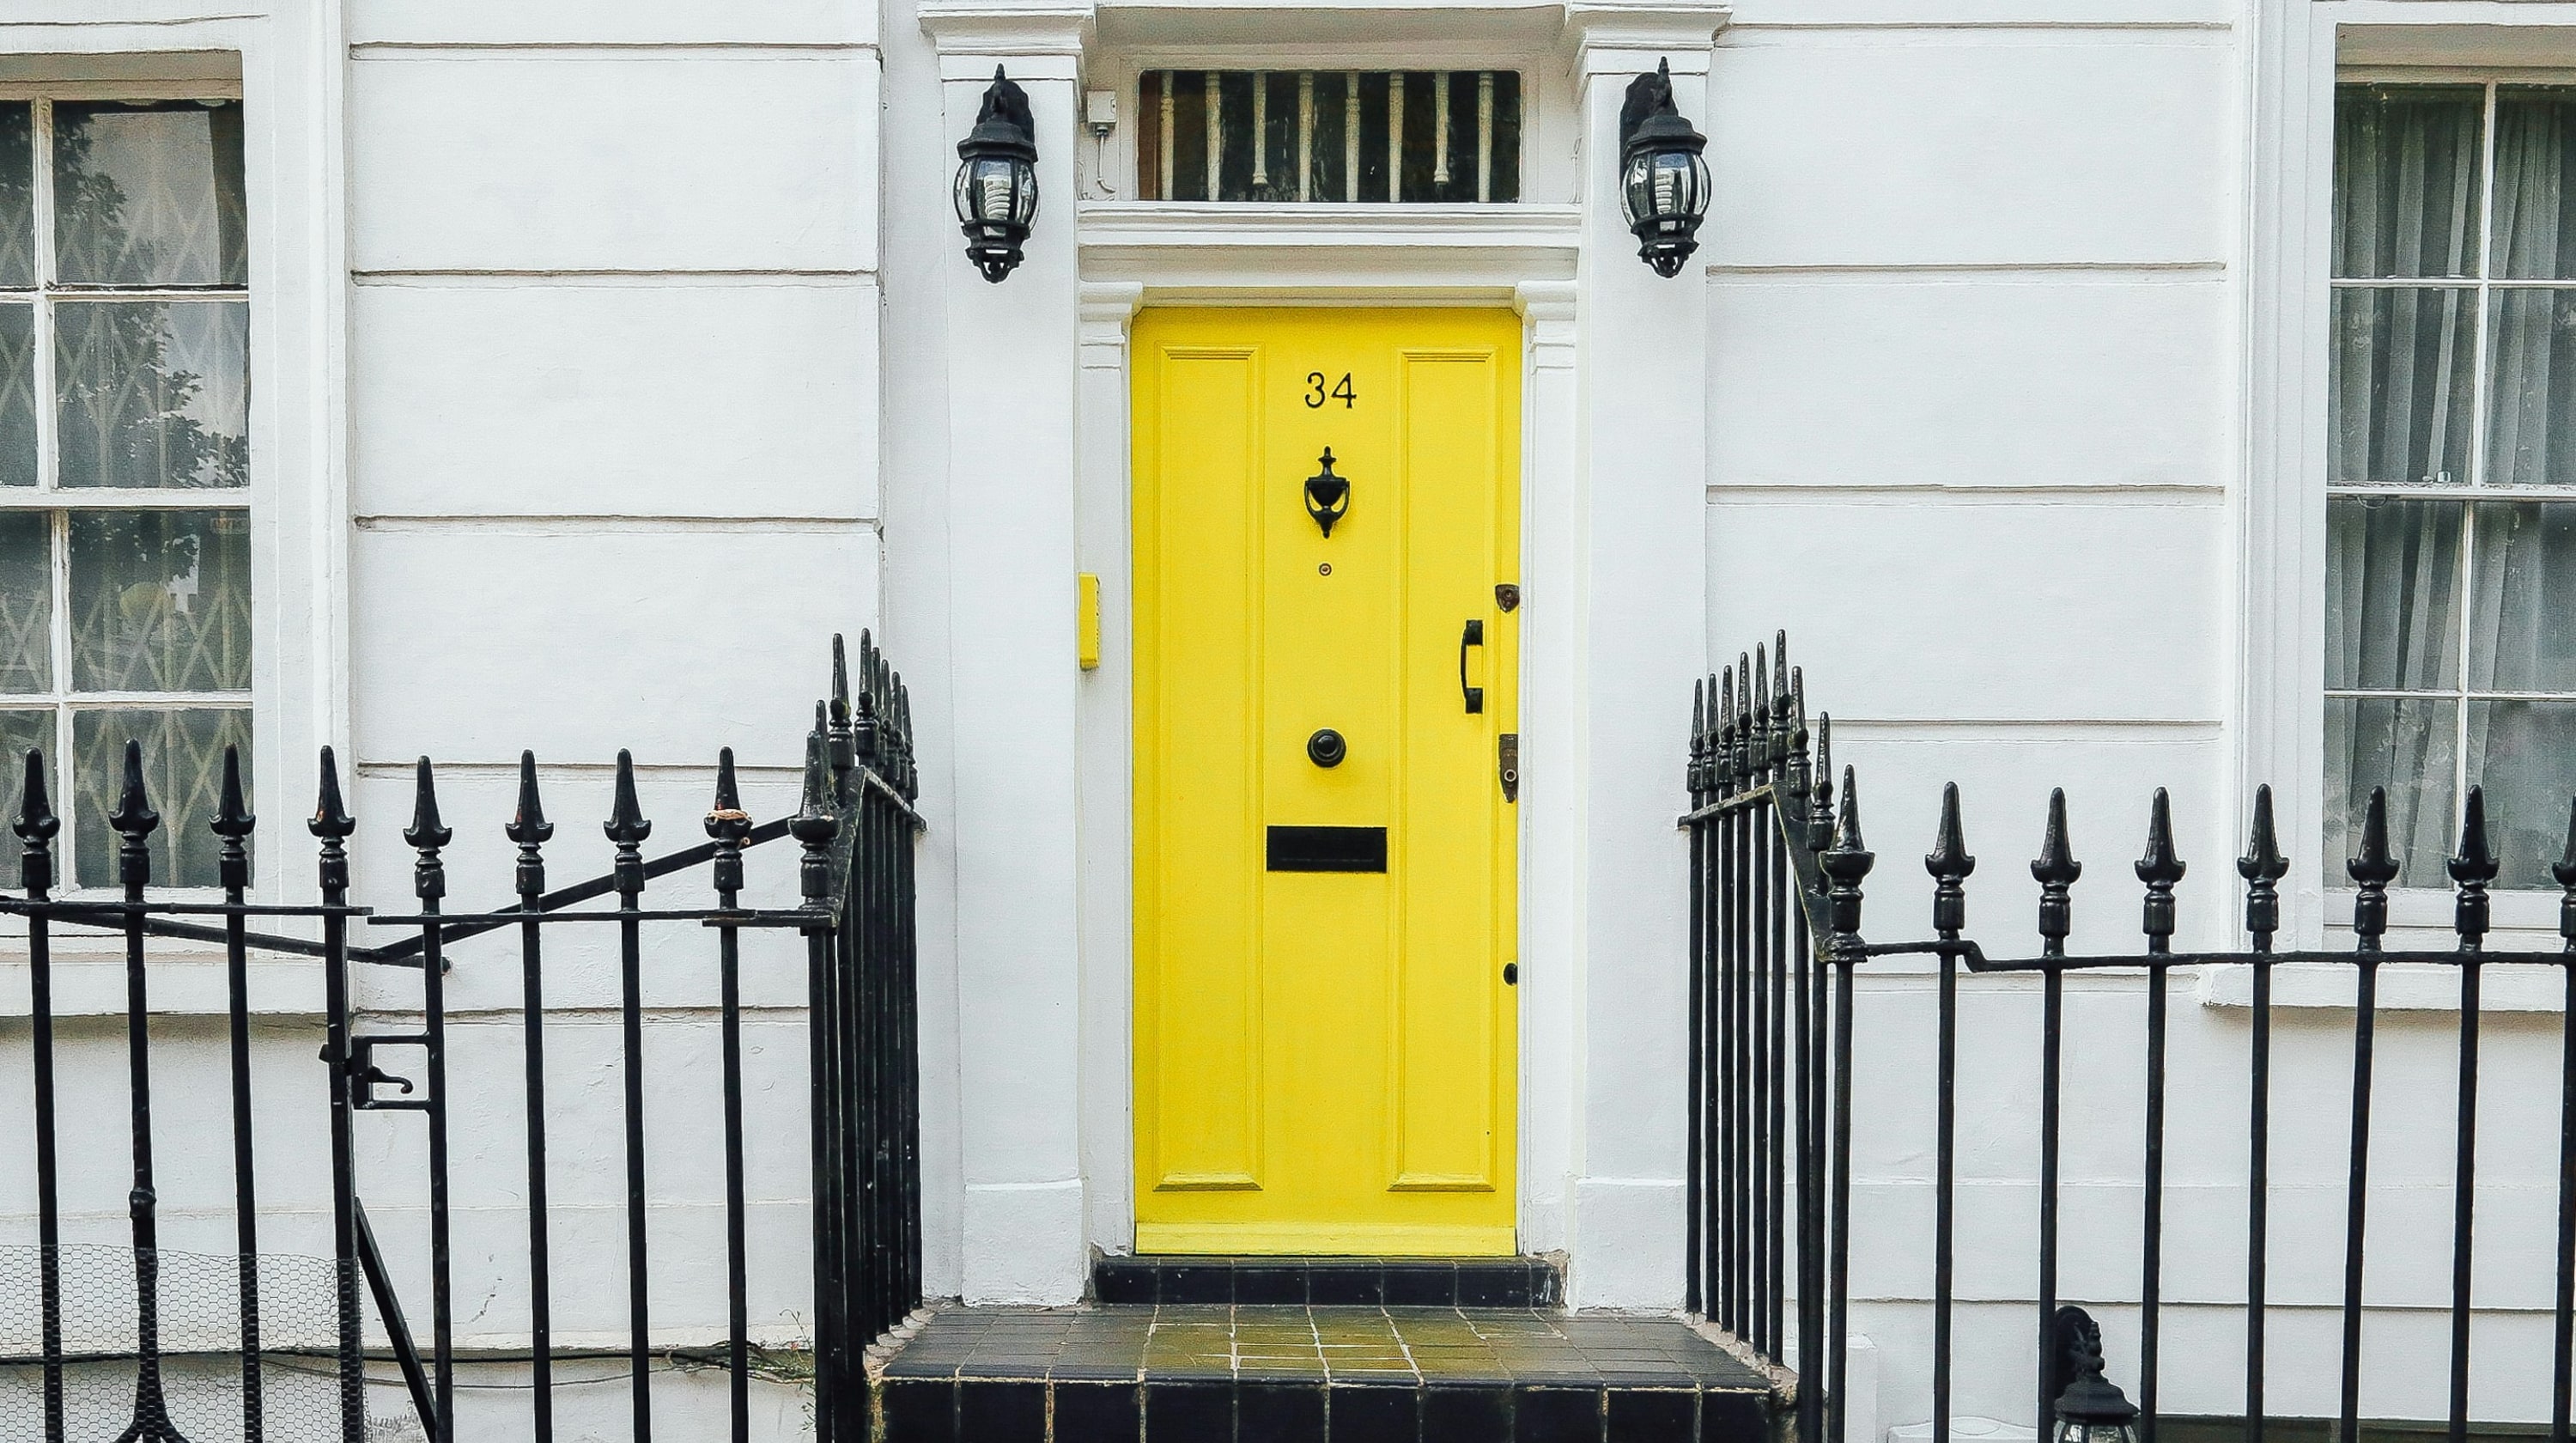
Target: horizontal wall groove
(2104,24)
(470,277)
(1722,493)
(605,49)
(1979,728)
(162,22)
(579,525)
(1984,272)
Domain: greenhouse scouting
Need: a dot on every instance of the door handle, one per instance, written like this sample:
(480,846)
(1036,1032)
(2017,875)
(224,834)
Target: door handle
(1474,635)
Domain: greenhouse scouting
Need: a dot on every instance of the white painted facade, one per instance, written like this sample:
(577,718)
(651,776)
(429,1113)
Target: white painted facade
(609,356)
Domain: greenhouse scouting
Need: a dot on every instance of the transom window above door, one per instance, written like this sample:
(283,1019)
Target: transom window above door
(2451,514)
(1329,135)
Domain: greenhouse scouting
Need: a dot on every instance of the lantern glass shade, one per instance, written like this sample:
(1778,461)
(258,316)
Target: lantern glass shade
(997,190)
(2095,1430)
(1667,188)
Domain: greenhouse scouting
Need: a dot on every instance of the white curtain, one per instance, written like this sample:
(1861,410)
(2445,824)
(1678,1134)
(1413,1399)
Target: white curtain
(2402,368)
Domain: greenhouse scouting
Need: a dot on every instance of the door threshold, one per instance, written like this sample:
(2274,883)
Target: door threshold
(1487,1282)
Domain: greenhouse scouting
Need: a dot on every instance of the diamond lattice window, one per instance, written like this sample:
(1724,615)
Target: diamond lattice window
(125,552)
(1329,135)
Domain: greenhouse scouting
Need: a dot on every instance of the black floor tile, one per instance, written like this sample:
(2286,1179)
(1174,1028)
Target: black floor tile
(1727,1416)
(1197,1283)
(1374,1415)
(1420,1285)
(1189,1412)
(1557,1415)
(1467,1415)
(1347,1284)
(1002,1412)
(1123,1282)
(919,1412)
(1270,1283)
(1096,1413)
(1279,1413)
(1504,1285)
(1639,1415)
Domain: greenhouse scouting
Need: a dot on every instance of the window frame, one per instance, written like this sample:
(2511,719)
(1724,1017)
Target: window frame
(1549,171)
(60,504)
(2482,286)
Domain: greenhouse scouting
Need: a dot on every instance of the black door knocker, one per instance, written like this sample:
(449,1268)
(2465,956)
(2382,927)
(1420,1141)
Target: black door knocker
(1327,495)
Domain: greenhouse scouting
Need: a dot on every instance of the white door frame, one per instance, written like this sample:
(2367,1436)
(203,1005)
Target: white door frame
(1148,258)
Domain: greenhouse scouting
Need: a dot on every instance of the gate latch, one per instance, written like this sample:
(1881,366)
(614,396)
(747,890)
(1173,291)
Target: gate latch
(364,1074)
(1507,764)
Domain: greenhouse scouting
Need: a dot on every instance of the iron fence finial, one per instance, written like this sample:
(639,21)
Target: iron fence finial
(331,820)
(2262,867)
(2161,869)
(2474,867)
(529,828)
(36,825)
(2056,871)
(1949,864)
(2372,869)
(232,818)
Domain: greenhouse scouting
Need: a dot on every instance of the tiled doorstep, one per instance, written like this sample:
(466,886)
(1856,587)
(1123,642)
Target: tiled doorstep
(1276,1374)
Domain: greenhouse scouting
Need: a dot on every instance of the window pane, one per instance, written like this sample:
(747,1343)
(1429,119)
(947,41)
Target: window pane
(2531,418)
(2406,180)
(17,395)
(2535,159)
(2524,754)
(149,194)
(17,194)
(183,775)
(2392,586)
(160,600)
(2522,633)
(2410,746)
(26,602)
(2399,381)
(154,393)
(20,733)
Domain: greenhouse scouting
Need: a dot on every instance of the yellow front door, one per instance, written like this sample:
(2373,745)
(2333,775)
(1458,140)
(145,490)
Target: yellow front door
(1325,687)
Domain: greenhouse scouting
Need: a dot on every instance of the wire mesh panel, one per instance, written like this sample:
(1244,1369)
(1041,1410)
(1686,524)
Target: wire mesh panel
(200,1318)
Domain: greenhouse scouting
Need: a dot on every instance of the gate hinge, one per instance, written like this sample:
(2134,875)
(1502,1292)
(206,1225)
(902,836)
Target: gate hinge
(1507,764)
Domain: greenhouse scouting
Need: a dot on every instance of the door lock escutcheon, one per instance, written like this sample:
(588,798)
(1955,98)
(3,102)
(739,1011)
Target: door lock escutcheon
(1326,748)
(1507,764)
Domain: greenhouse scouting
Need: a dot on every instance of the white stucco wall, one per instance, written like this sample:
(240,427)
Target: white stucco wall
(611,356)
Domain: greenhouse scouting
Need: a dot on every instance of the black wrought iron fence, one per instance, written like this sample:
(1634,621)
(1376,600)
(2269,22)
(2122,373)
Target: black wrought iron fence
(103,1355)
(1777,866)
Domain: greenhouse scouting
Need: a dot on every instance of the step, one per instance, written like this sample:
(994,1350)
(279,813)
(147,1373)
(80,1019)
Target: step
(1288,1373)
(1515,1282)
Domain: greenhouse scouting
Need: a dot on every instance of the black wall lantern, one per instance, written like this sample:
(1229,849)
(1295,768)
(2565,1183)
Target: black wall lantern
(2090,1407)
(997,178)
(1663,182)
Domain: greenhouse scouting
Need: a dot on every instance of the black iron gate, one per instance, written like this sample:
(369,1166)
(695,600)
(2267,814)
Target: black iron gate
(263,1343)
(1777,864)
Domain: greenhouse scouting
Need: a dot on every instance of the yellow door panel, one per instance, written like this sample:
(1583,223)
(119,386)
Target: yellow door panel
(1325,1047)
